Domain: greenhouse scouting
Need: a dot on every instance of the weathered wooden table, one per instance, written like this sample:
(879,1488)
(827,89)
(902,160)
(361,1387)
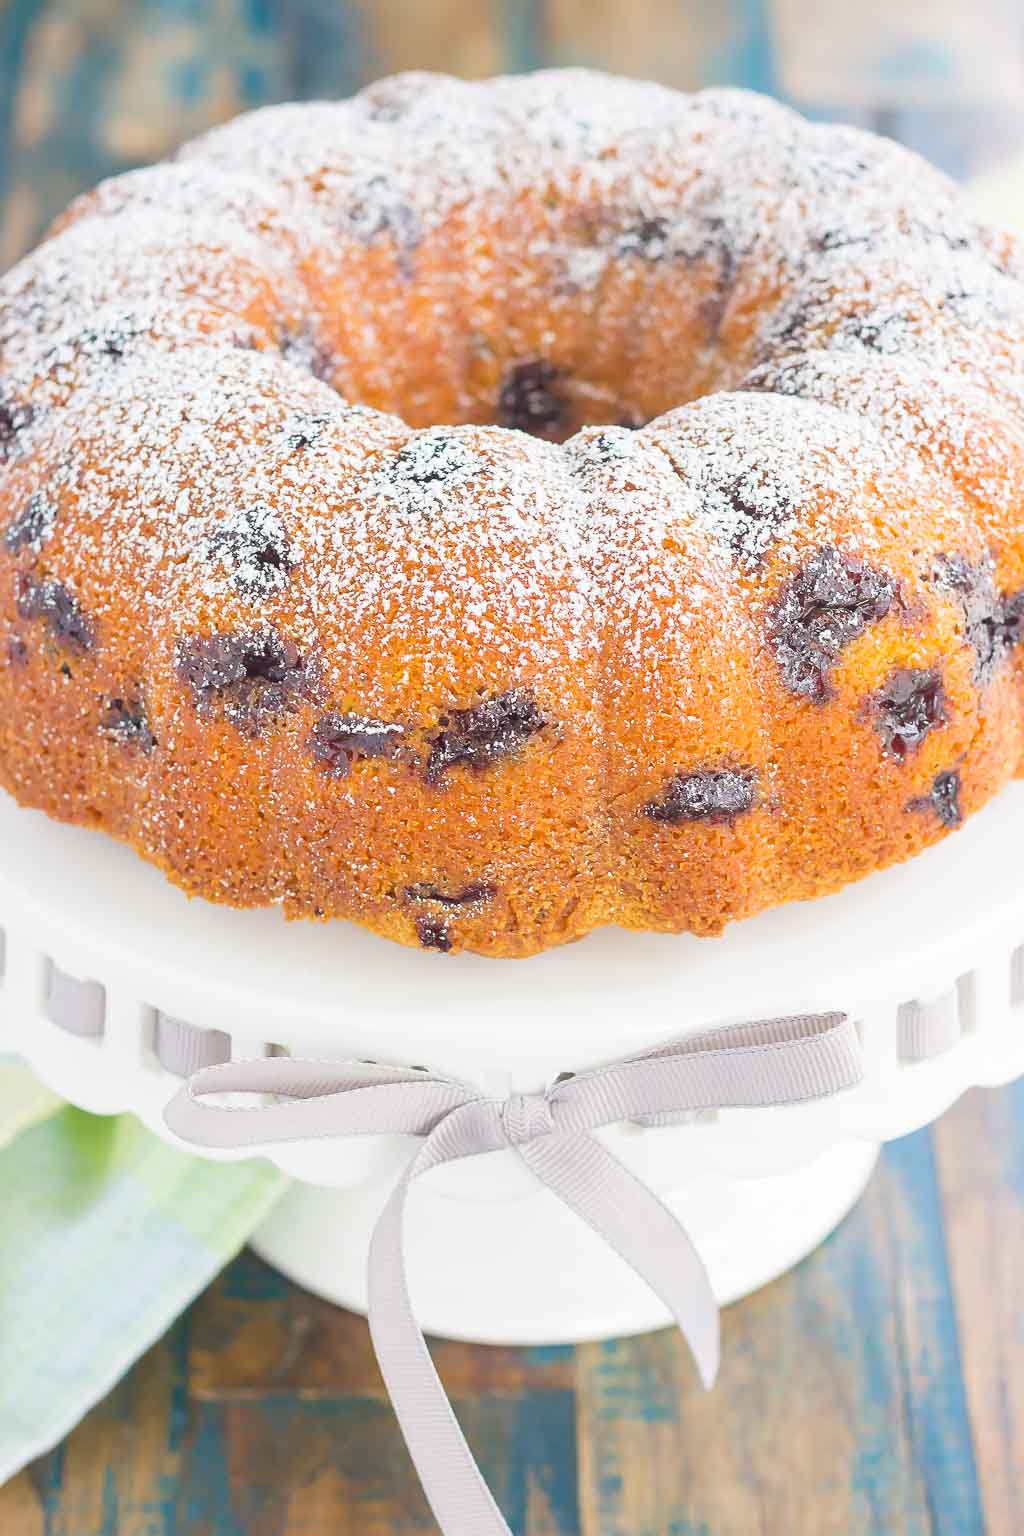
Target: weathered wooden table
(878,1390)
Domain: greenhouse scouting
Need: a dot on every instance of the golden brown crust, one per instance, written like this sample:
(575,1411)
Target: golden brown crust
(495,683)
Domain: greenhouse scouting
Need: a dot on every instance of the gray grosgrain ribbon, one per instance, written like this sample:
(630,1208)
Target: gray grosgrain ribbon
(768,1062)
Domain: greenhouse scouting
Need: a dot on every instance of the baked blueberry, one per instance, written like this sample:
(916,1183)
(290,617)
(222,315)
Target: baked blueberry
(761,509)
(209,663)
(108,341)
(881,331)
(985,618)
(303,348)
(714,795)
(61,611)
(803,316)
(125,721)
(607,446)
(647,238)
(433,934)
(829,602)
(466,896)
(431,458)
(911,704)
(841,237)
(248,678)
(338,740)
(379,208)
(253,547)
(485,733)
(15,416)
(943,799)
(1013,619)
(31,527)
(304,429)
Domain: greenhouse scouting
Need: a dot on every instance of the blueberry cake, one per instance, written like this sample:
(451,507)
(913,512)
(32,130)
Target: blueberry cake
(490,511)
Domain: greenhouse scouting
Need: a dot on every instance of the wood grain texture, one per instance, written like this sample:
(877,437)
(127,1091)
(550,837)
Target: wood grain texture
(120,1472)
(980,1160)
(878,1390)
(89,88)
(681,42)
(446,35)
(840,1407)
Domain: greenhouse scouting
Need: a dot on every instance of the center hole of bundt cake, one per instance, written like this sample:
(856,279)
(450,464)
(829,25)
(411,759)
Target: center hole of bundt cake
(553,400)
(547,372)
(583,381)
(530,394)
(632,328)
(536,396)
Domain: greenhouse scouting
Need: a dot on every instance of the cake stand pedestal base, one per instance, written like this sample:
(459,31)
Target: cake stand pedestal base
(544,1278)
(101,962)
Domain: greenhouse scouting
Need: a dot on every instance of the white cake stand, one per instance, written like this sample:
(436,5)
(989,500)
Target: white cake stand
(102,960)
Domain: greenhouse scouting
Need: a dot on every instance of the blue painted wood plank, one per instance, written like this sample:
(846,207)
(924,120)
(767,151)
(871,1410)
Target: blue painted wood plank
(203,1506)
(117,1475)
(840,1407)
(524,31)
(526,1449)
(938,1427)
(746,56)
(129,81)
(980,1157)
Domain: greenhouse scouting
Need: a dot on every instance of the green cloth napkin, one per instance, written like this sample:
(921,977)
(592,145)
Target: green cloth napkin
(23,1100)
(107,1235)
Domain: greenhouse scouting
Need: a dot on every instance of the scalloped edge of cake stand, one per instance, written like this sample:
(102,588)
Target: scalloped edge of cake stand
(87,924)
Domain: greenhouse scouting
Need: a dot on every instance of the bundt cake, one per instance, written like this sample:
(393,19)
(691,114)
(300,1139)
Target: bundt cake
(489,511)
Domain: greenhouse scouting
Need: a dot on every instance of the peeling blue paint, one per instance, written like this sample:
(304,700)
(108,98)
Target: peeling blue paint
(15,20)
(177,1348)
(109,1517)
(549,1354)
(938,1424)
(631,1386)
(205,1501)
(524,35)
(748,58)
(247,1278)
(1011,1105)
(876,1467)
(541,1450)
(186,79)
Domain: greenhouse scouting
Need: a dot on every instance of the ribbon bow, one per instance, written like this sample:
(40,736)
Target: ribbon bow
(770,1062)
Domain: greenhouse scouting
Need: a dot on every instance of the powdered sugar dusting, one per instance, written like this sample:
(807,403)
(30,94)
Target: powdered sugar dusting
(761,467)
(167,357)
(208,251)
(945,418)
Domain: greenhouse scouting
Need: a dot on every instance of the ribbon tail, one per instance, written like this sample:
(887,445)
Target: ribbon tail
(460,1499)
(640,1228)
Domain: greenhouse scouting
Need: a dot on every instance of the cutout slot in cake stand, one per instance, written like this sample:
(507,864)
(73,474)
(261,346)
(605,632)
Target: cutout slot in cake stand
(935,940)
